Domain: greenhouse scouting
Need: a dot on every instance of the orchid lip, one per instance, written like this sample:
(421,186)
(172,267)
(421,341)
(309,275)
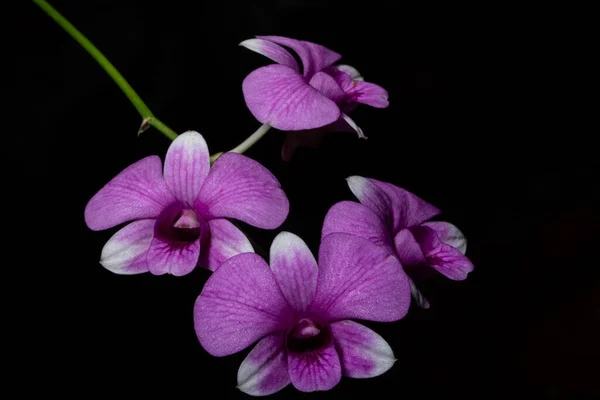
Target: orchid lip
(179,224)
(307,335)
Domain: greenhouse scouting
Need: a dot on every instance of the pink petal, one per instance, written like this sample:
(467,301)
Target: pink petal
(295,269)
(328,87)
(408,250)
(363,353)
(186,166)
(314,56)
(279,96)
(447,260)
(125,251)
(352,124)
(368,93)
(226,241)
(350,71)
(272,51)
(449,234)
(358,279)
(139,191)
(265,370)
(240,303)
(393,204)
(315,370)
(175,258)
(239,187)
(356,219)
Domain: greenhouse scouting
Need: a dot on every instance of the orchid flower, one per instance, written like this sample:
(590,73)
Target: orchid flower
(179,215)
(300,313)
(317,95)
(396,220)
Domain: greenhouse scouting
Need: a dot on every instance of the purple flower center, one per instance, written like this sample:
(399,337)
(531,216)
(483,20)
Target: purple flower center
(178,224)
(307,335)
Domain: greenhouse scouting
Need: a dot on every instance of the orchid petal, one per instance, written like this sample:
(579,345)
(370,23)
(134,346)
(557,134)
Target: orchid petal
(186,166)
(358,279)
(239,304)
(279,96)
(408,250)
(369,194)
(447,260)
(449,234)
(265,371)
(138,192)
(353,125)
(226,241)
(314,56)
(315,370)
(356,219)
(368,93)
(350,71)
(363,353)
(295,269)
(239,187)
(272,51)
(328,87)
(176,258)
(125,251)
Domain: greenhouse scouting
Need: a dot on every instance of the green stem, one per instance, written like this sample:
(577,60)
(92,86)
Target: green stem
(138,103)
(252,139)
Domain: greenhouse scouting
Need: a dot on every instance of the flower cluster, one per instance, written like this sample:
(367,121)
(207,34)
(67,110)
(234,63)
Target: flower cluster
(300,312)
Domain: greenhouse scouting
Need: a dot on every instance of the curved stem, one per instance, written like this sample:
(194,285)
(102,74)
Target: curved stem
(138,103)
(252,139)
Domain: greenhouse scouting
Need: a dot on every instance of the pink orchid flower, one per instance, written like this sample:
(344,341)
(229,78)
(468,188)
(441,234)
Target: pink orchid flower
(396,220)
(179,214)
(316,96)
(299,312)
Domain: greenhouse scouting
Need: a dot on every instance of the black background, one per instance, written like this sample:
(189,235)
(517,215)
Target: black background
(472,128)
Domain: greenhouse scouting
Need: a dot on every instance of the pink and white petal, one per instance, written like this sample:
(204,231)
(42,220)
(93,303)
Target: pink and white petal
(176,258)
(372,196)
(241,188)
(186,166)
(138,192)
(239,304)
(295,270)
(409,209)
(368,93)
(363,353)
(447,260)
(358,279)
(420,300)
(314,57)
(350,71)
(353,125)
(279,96)
(408,250)
(449,234)
(356,219)
(328,87)
(226,241)
(272,51)
(315,370)
(125,252)
(265,370)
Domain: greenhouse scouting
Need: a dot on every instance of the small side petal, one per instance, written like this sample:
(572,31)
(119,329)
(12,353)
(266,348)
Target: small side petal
(138,192)
(449,234)
(279,96)
(328,87)
(186,166)
(239,304)
(447,260)
(363,353)
(352,124)
(369,94)
(356,219)
(314,56)
(408,250)
(295,269)
(315,370)
(125,251)
(350,71)
(265,370)
(175,258)
(239,187)
(272,51)
(358,279)
(226,241)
